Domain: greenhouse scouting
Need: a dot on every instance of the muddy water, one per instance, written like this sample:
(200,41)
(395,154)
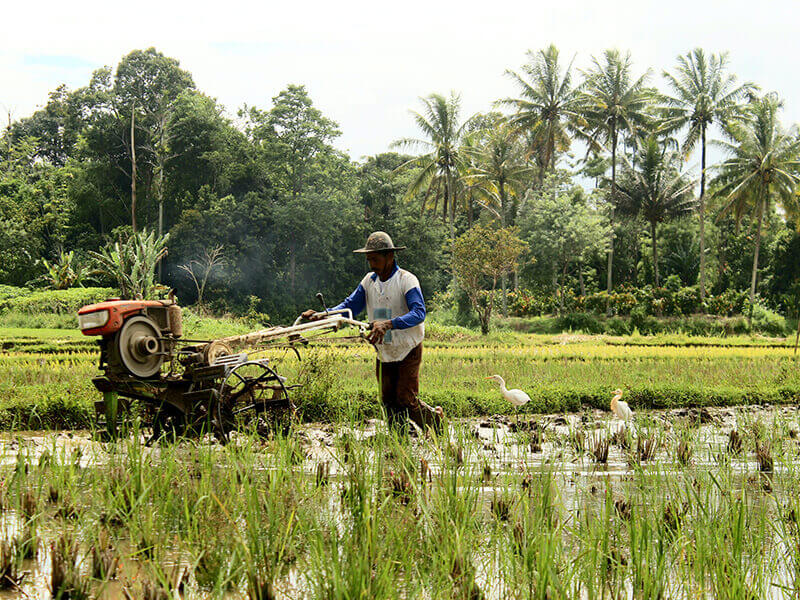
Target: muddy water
(499,446)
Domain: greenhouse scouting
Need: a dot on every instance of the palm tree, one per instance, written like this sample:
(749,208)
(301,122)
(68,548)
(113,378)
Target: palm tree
(764,165)
(704,94)
(440,167)
(655,191)
(496,171)
(497,174)
(613,103)
(548,107)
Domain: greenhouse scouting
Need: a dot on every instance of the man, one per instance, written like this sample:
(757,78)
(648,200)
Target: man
(396,312)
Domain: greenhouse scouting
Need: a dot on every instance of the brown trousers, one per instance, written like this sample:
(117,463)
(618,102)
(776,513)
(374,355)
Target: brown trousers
(400,389)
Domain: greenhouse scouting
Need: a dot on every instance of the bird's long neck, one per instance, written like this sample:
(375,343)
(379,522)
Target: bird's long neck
(502,385)
(614,401)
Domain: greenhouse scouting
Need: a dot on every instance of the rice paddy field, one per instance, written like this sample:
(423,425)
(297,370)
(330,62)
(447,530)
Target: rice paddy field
(45,375)
(698,497)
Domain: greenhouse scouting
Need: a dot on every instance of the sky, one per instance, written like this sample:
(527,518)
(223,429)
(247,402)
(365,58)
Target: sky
(365,64)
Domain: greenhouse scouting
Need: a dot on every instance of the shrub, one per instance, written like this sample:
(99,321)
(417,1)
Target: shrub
(673,283)
(10,291)
(580,322)
(767,321)
(55,301)
(618,326)
(643,322)
(131,261)
(688,300)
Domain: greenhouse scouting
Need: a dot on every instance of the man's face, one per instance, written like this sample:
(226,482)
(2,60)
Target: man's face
(379,261)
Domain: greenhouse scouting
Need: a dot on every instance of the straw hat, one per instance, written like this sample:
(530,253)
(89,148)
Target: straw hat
(379,241)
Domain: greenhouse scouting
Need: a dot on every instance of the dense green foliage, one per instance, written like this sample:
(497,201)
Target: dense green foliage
(141,148)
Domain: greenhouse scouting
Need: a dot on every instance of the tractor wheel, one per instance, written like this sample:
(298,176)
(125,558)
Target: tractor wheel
(253,396)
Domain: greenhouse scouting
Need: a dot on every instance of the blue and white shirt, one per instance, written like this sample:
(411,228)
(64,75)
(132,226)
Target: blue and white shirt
(398,299)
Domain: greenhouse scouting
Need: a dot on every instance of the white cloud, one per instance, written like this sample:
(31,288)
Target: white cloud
(365,63)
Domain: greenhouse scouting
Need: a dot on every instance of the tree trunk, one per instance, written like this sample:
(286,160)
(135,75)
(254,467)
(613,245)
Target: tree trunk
(613,206)
(503,277)
(160,198)
(636,243)
(562,290)
(292,269)
(487,314)
(556,288)
(449,200)
(655,252)
(701,210)
(133,169)
(755,260)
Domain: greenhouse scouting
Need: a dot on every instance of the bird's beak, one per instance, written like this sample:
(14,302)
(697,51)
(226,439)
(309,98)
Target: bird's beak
(487,377)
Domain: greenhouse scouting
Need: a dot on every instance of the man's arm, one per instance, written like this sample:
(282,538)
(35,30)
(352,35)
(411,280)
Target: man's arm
(416,310)
(356,302)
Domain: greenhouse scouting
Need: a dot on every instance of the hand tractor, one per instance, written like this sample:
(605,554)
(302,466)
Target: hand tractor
(192,387)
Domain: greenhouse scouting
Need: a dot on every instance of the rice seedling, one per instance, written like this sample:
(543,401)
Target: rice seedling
(623,508)
(734,442)
(646,447)
(11,573)
(424,471)
(66,580)
(685,447)
(500,508)
(161,583)
(577,440)
(599,448)
(674,514)
(622,438)
(764,456)
(417,517)
(455,452)
(105,558)
(323,471)
(29,504)
(27,542)
(400,486)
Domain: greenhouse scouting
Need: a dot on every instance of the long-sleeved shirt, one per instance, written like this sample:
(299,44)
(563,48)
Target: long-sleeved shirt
(398,299)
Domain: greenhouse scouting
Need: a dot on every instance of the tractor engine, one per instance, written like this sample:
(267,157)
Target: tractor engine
(208,388)
(137,336)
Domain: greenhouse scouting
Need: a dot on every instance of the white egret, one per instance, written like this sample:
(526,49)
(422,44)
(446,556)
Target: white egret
(620,408)
(516,397)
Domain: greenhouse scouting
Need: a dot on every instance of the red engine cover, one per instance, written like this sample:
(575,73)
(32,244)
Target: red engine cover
(118,311)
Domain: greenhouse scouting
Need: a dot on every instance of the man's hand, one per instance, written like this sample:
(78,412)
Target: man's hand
(379,329)
(311,315)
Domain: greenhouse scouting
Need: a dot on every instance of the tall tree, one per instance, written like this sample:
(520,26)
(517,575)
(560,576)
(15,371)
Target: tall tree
(496,169)
(481,256)
(127,120)
(655,191)
(764,166)
(704,93)
(294,138)
(294,135)
(548,107)
(440,168)
(497,175)
(613,102)
(150,82)
(563,230)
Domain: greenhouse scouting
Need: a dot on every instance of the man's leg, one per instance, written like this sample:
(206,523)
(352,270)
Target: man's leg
(387,379)
(408,391)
